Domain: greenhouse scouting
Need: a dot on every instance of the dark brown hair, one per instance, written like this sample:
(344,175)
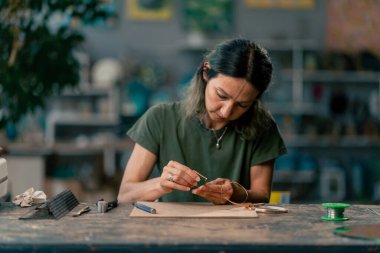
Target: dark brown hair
(236,58)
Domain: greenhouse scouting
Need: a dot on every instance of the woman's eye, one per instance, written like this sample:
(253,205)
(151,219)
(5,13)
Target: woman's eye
(243,106)
(221,96)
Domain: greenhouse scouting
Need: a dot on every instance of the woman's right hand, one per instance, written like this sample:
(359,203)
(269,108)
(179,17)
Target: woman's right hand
(176,176)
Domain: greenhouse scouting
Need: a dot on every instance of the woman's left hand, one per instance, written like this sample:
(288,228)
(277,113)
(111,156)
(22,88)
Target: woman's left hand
(216,191)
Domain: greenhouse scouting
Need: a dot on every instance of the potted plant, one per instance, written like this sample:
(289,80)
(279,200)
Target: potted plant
(38,39)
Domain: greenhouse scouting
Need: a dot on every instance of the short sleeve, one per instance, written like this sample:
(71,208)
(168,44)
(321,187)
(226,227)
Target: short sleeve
(147,130)
(269,145)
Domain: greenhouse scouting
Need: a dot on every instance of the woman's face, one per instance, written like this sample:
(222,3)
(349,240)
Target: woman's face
(227,98)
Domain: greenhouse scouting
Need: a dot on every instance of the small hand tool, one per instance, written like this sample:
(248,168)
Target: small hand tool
(104,206)
(145,208)
(83,210)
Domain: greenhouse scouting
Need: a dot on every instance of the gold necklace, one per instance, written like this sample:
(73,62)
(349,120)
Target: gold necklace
(218,139)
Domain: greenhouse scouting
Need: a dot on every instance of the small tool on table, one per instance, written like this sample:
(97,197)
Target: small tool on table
(56,207)
(81,211)
(104,206)
(145,208)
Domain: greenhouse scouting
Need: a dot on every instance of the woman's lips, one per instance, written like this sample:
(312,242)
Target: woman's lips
(220,118)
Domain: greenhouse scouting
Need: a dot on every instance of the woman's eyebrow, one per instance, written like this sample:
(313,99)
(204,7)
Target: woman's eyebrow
(229,96)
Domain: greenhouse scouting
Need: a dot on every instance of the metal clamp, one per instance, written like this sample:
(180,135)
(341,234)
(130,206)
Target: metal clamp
(104,206)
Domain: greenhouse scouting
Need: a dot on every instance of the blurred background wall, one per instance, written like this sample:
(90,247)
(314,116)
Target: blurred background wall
(165,39)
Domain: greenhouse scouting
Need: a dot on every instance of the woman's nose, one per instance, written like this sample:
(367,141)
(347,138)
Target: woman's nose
(227,109)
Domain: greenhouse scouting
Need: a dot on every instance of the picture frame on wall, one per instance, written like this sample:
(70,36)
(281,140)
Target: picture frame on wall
(212,17)
(280,4)
(149,10)
(104,16)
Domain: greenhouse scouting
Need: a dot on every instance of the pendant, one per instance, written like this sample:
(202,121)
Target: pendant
(217,146)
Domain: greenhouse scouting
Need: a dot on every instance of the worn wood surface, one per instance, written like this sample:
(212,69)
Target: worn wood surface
(193,210)
(299,230)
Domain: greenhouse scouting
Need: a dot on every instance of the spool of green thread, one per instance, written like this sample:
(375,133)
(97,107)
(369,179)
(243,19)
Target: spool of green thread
(335,211)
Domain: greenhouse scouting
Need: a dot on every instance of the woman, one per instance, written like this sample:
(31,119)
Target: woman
(220,131)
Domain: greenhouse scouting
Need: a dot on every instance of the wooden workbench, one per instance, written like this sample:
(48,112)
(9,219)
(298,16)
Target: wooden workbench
(300,230)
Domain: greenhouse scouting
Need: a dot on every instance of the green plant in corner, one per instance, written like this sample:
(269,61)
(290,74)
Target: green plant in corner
(37,58)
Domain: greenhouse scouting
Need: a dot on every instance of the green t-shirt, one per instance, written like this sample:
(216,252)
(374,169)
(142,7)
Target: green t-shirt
(165,131)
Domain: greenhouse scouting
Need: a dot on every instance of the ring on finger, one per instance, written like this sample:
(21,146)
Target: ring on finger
(170,178)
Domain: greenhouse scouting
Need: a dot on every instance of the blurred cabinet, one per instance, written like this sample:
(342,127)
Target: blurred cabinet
(82,128)
(83,115)
(329,118)
(25,172)
(302,85)
(84,169)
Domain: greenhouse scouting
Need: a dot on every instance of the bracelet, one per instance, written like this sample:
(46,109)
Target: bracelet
(246,192)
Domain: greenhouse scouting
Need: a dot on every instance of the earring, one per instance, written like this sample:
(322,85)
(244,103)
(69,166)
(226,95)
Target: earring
(204,74)
(205,66)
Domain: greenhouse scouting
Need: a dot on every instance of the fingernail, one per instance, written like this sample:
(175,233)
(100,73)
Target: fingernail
(188,189)
(198,179)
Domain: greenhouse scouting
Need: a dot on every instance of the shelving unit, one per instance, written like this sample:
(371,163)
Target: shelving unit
(96,109)
(81,137)
(344,150)
(298,78)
